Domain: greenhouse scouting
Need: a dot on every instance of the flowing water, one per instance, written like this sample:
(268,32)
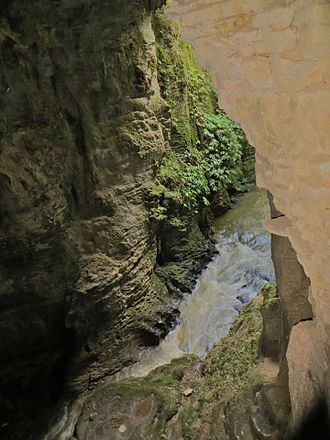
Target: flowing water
(234,276)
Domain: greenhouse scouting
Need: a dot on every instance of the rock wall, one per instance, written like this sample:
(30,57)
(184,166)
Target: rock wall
(79,138)
(270,60)
(103,224)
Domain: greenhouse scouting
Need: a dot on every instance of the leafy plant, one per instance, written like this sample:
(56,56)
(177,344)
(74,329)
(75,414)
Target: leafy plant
(206,146)
(224,142)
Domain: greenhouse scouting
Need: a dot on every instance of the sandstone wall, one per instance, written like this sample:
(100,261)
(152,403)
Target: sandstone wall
(270,60)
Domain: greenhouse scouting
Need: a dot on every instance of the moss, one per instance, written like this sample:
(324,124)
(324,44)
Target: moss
(231,370)
(269,293)
(189,91)
(229,376)
(162,385)
(178,275)
(206,148)
(189,419)
(228,366)
(174,369)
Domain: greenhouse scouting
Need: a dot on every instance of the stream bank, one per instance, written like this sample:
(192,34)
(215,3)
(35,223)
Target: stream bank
(240,268)
(232,394)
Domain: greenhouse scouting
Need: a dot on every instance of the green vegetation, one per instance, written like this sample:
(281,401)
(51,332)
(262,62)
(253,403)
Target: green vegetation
(152,400)
(222,387)
(231,371)
(207,148)
(228,366)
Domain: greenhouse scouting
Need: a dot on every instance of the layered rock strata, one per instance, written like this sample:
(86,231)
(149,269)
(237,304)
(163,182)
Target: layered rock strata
(271,64)
(79,137)
(90,271)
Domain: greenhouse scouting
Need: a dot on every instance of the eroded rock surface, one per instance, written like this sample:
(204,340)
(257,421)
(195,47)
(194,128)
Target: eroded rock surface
(231,394)
(97,242)
(79,138)
(270,60)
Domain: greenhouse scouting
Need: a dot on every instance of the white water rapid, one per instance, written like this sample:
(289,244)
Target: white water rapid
(234,276)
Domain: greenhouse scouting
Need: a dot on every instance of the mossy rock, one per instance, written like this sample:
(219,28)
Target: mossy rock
(135,408)
(231,373)
(154,406)
(208,153)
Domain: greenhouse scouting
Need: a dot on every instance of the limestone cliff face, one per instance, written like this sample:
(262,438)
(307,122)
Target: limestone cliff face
(79,138)
(91,269)
(271,63)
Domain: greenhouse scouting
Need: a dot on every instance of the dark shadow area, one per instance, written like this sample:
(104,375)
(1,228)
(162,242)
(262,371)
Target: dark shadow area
(316,425)
(29,403)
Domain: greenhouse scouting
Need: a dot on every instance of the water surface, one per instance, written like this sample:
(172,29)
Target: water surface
(234,276)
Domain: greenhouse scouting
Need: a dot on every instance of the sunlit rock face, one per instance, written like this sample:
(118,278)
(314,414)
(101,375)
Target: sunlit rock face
(271,63)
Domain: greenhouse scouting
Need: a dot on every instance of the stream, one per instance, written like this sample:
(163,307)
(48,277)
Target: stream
(233,278)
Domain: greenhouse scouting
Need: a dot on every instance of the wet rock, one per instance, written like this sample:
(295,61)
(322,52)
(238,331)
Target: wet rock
(275,399)
(77,255)
(124,409)
(240,429)
(272,335)
(261,428)
(188,392)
